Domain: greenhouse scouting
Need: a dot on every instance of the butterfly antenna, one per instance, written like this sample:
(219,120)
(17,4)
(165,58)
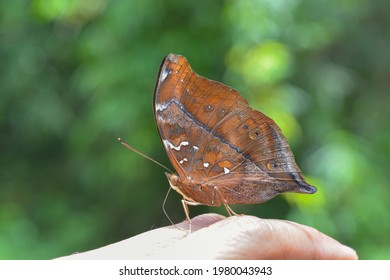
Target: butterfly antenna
(142,154)
(155,161)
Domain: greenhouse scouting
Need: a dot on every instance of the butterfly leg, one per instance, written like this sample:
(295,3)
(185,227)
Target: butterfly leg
(185,204)
(229,210)
(227,207)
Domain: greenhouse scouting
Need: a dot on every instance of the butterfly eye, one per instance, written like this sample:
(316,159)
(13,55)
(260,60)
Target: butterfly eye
(254,134)
(271,165)
(173,179)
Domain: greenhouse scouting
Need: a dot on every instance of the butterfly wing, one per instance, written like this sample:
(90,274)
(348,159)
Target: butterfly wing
(214,139)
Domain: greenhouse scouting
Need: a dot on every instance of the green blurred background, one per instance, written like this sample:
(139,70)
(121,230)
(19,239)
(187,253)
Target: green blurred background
(75,75)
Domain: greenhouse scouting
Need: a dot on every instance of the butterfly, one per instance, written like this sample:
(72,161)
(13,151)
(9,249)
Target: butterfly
(224,152)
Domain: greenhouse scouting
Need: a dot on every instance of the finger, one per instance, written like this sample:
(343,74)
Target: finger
(247,237)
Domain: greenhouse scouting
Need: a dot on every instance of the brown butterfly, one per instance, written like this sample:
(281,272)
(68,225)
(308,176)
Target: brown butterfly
(223,151)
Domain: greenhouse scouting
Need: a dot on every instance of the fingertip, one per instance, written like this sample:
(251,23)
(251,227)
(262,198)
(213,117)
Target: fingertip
(348,253)
(324,247)
(337,251)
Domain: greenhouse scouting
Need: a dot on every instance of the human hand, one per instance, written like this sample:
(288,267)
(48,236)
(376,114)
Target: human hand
(216,237)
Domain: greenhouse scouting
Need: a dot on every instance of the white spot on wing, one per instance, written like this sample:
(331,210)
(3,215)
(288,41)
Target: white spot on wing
(161,106)
(206,164)
(164,74)
(226,170)
(183,160)
(177,148)
(196,148)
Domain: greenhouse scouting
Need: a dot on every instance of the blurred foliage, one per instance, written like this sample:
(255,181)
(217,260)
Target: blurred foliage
(75,75)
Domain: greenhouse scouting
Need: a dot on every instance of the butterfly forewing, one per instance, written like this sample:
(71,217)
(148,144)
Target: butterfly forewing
(214,139)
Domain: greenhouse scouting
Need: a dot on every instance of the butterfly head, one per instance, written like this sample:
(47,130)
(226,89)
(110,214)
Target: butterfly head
(176,183)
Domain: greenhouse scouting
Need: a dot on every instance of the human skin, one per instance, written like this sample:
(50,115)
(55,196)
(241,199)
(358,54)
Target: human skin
(216,237)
